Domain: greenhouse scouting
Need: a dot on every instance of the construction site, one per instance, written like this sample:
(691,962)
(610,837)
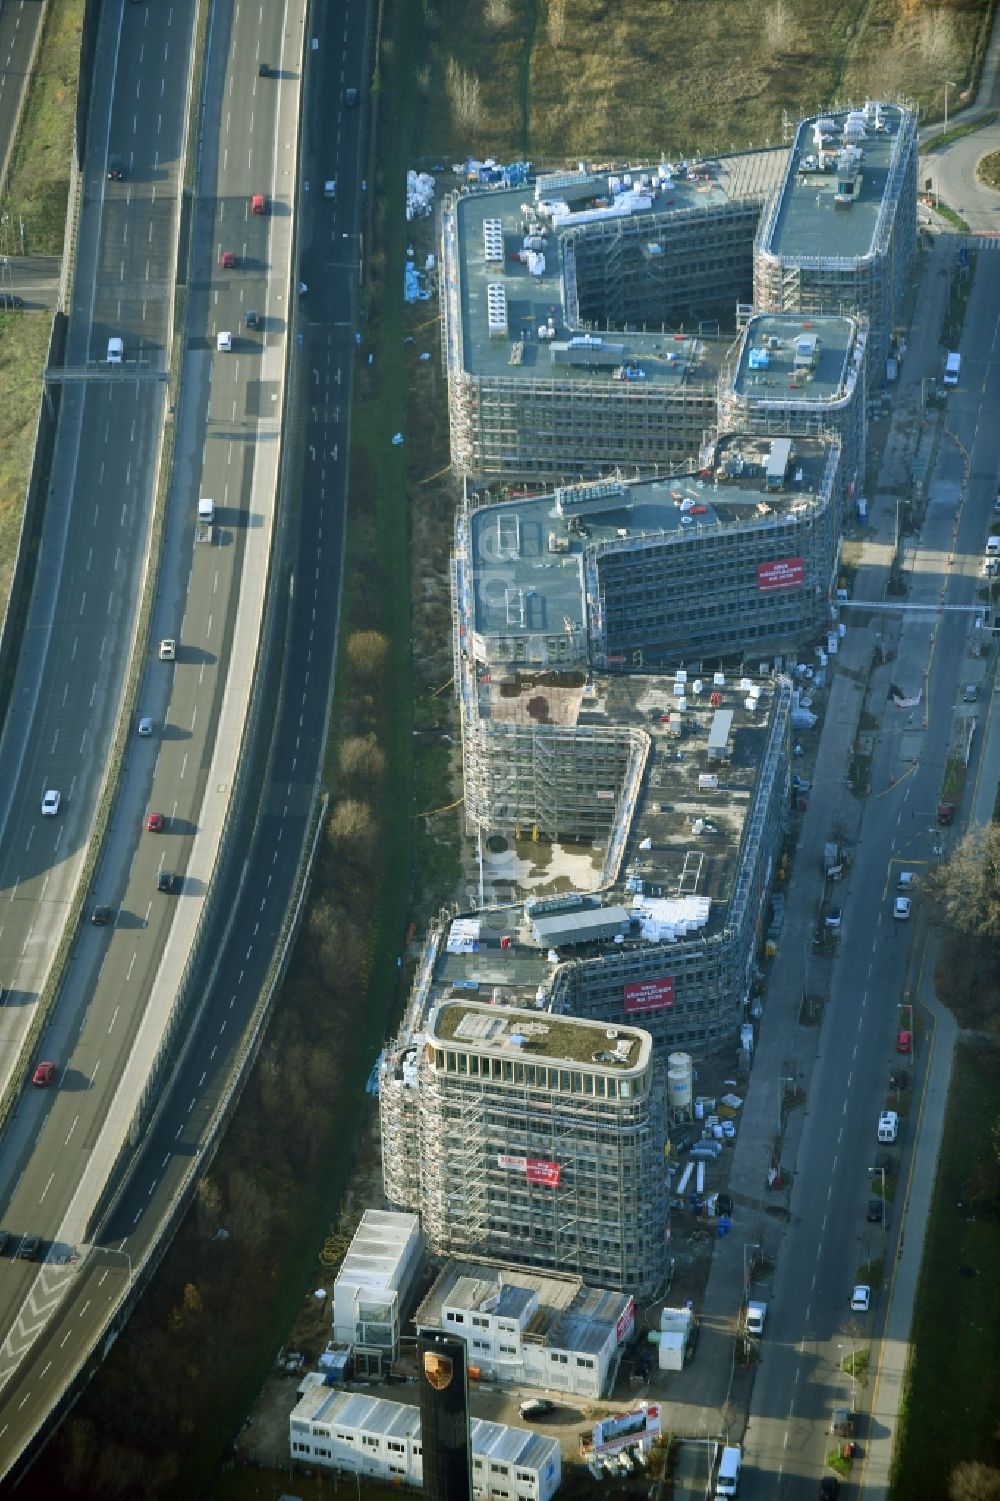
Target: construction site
(840,235)
(590,326)
(536,1141)
(789,374)
(581,328)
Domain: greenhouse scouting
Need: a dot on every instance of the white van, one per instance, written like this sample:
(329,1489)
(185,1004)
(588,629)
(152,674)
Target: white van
(116,351)
(729,1470)
(888,1125)
(993,545)
(952,369)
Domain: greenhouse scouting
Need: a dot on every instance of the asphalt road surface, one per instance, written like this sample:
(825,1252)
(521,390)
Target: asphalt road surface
(257,878)
(810,1326)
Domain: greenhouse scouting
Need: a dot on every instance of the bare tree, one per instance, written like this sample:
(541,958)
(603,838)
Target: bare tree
(362,760)
(779,27)
(972,1481)
(366,653)
(463,94)
(968,884)
(351,823)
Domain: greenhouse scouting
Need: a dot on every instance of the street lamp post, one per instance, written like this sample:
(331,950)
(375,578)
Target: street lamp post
(748,1246)
(947,86)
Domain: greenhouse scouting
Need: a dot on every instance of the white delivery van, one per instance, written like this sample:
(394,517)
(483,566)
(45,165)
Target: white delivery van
(888,1125)
(729,1470)
(116,351)
(952,369)
(993,545)
(206,511)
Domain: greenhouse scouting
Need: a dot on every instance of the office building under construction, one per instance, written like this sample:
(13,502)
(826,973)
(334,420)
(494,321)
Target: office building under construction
(840,234)
(735,561)
(791,374)
(669,940)
(580,327)
(531,1139)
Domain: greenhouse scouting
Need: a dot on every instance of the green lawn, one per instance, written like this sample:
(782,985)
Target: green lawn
(952,1394)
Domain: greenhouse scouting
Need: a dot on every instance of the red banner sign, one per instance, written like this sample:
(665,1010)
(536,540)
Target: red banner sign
(625,1322)
(649,995)
(535,1169)
(783,573)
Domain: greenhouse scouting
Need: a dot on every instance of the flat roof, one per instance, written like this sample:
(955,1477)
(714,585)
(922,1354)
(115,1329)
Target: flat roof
(533,293)
(814,220)
(399,1420)
(568,1316)
(682,848)
(770,362)
(378,1247)
(528,554)
(505,1033)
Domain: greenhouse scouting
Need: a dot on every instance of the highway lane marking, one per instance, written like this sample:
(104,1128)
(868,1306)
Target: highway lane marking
(72,1128)
(131,965)
(138,1217)
(94,1074)
(83,1310)
(47,1186)
(83,601)
(114,1018)
(62,1342)
(192,1104)
(184,765)
(851,1074)
(90,557)
(149,908)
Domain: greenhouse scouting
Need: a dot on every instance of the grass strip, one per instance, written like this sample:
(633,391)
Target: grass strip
(959,132)
(952,1389)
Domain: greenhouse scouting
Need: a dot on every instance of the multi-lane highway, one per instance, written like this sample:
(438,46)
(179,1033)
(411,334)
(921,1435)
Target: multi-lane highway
(811,1328)
(209,599)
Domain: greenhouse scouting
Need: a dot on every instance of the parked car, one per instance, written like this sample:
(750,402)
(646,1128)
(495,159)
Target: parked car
(904,1041)
(875,1211)
(536,1407)
(833,919)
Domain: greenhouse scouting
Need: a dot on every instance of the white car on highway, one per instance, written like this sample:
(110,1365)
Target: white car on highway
(901,908)
(50,803)
(224,343)
(116,351)
(860,1298)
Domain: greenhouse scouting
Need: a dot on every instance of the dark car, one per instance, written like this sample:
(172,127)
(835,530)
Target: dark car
(536,1407)
(829,1488)
(898,1078)
(352,98)
(885,1162)
(100,917)
(4,1241)
(252,318)
(723,1205)
(165,881)
(116,169)
(11,300)
(29,1248)
(875,1209)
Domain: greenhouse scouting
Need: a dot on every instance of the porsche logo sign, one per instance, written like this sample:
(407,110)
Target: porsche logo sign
(438,1369)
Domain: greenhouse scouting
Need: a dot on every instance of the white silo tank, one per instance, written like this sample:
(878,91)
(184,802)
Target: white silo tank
(680,1083)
